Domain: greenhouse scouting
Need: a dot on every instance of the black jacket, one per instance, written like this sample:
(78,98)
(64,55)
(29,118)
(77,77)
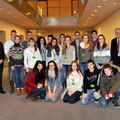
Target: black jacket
(74,44)
(2,55)
(114,52)
(91,80)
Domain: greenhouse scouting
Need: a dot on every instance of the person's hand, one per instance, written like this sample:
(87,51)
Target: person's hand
(99,67)
(24,67)
(50,94)
(110,95)
(106,97)
(27,70)
(1,61)
(69,93)
(60,67)
(13,68)
(84,96)
(95,94)
(39,86)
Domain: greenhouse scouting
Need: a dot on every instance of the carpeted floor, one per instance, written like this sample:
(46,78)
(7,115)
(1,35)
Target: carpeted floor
(14,107)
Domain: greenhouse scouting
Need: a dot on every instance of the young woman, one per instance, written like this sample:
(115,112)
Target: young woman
(68,55)
(31,55)
(53,53)
(41,43)
(16,53)
(34,83)
(74,84)
(85,52)
(91,83)
(61,40)
(53,82)
(101,52)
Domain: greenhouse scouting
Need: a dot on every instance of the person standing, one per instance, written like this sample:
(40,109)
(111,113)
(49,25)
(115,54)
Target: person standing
(94,38)
(115,48)
(7,46)
(16,56)
(2,57)
(31,55)
(76,44)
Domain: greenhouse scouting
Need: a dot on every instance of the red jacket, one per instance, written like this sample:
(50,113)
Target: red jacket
(30,83)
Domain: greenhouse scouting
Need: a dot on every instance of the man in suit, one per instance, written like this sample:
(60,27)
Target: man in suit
(115,48)
(76,43)
(2,57)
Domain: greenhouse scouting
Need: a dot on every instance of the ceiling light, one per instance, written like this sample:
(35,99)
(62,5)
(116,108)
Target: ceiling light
(1,8)
(15,16)
(28,13)
(104,0)
(10,0)
(92,14)
(8,12)
(75,12)
(95,10)
(89,18)
(114,3)
(99,6)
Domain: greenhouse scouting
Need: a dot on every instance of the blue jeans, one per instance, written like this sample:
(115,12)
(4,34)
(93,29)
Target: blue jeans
(73,98)
(65,70)
(90,95)
(104,102)
(83,67)
(10,75)
(19,76)
(41,91)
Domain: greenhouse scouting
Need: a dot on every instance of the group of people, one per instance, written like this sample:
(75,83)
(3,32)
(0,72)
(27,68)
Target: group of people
(73,70)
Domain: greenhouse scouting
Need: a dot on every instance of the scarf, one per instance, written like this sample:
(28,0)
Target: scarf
(49,51)
(51,73)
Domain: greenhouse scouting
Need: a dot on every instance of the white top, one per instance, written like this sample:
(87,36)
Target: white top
(8,44)
(75,80)
(30,57)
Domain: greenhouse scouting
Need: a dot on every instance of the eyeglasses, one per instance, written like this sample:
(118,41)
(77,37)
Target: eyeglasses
(51,65)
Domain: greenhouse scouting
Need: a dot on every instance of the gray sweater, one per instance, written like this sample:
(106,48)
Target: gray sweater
(85,54)
(69,55)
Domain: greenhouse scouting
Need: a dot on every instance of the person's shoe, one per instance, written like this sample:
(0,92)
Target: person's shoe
(23,91)
(116,104)
(18,92)
(2,92)
(11,89)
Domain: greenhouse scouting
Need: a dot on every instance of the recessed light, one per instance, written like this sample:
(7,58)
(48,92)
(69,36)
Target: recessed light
(99,6)
(10,0)
(95,10)
(114,3)
(89,18)
(1,8)
(92,14)
(104,0)
(15,16)
(8,12)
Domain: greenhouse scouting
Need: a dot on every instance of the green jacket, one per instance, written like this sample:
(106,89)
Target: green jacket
(108,84)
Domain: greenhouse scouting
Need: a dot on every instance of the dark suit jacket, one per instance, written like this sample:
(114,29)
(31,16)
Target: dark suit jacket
(114,52)
(74,44)
(2,55)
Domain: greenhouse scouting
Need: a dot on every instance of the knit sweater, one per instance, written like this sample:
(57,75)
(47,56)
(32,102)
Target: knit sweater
(91,80)
(69,55)
(84,53)
(101,56)
(16,55)
(75,80)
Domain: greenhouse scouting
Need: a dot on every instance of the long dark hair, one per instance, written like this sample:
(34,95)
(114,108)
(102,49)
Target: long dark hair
(38,42)
(98,44)
(56,69)
(35,69)
(78,68)
(57,49)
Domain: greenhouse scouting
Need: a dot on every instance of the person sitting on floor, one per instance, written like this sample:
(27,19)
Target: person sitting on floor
(109,86)
(91,83)
(35,82)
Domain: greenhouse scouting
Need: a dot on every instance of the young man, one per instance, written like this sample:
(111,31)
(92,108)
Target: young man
(109,86)
(25,43)
(91,83)
(2,57)
(7,46)
(94,38)
(76,43)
